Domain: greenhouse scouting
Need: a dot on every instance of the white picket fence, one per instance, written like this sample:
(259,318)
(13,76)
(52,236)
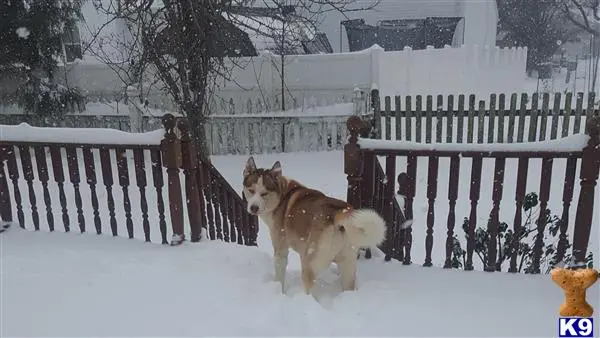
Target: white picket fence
(259,135)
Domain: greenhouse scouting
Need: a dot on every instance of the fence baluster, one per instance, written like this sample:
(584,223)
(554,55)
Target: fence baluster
(107,179)
(90,174)
(542,218)
(493,225)
(27,166)
(471,119)
(224,205)
(409,115)
(474,197)
(428,119)
(452,197)
(522,116)
(450,119)
(42,166)
(578,113)
(481,121)
(567,115)
(501,115)
(511,118)
(418,117)
(202,198)
(401,216)
(398,114)
(389,196)
(460,123)
(5,204)
(517,223)
(208,195)
(568,187)
(439,118)
(492,118)
(59,178)
(214,198)
(140,178)
(555,115)
(158,181)
(240,223)
(432,178)
(533,118)
(388,118)
(13,173)
(411,171)
(73,167)
(544,119)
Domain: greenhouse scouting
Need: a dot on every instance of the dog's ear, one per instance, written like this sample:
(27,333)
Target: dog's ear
(276,170)
(250,166)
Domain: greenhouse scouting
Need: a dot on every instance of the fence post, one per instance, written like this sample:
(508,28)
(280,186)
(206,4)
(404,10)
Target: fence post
(5,205)
(376,106)
(353,162)
(170,148)
(190,169)
(590,168)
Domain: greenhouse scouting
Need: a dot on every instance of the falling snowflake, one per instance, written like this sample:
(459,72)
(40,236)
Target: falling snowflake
(23,32)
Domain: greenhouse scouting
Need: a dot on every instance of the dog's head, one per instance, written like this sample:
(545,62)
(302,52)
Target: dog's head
(262,187)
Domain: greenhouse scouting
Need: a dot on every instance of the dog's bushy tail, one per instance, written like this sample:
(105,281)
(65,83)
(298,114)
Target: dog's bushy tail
(364,227)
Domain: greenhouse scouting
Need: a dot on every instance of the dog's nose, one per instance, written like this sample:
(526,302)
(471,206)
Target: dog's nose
(254,209)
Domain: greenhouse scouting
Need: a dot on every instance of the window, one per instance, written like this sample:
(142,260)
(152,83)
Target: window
(72,42)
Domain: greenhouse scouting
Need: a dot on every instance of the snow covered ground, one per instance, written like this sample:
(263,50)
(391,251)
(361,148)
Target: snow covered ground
(82,285)
(579,81)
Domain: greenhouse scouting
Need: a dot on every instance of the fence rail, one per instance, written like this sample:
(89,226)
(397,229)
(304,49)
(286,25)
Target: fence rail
(501,119)
(53,172)
(494,244)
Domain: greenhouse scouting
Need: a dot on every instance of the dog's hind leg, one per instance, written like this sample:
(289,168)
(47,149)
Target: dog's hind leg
(346,261)
(280,256)
(313,262)
(281,261)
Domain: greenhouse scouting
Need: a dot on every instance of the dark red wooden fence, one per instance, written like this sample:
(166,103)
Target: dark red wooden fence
(211,203)
(371,187)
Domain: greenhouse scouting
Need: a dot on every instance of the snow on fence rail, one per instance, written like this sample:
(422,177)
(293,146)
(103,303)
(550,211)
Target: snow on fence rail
(41,162)
(502,118)
(503,173)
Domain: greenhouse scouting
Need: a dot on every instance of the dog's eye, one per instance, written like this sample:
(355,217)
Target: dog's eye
(264,194)
(251,191)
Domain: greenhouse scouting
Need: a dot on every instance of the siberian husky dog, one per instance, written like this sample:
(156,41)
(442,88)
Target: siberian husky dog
(320,229)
